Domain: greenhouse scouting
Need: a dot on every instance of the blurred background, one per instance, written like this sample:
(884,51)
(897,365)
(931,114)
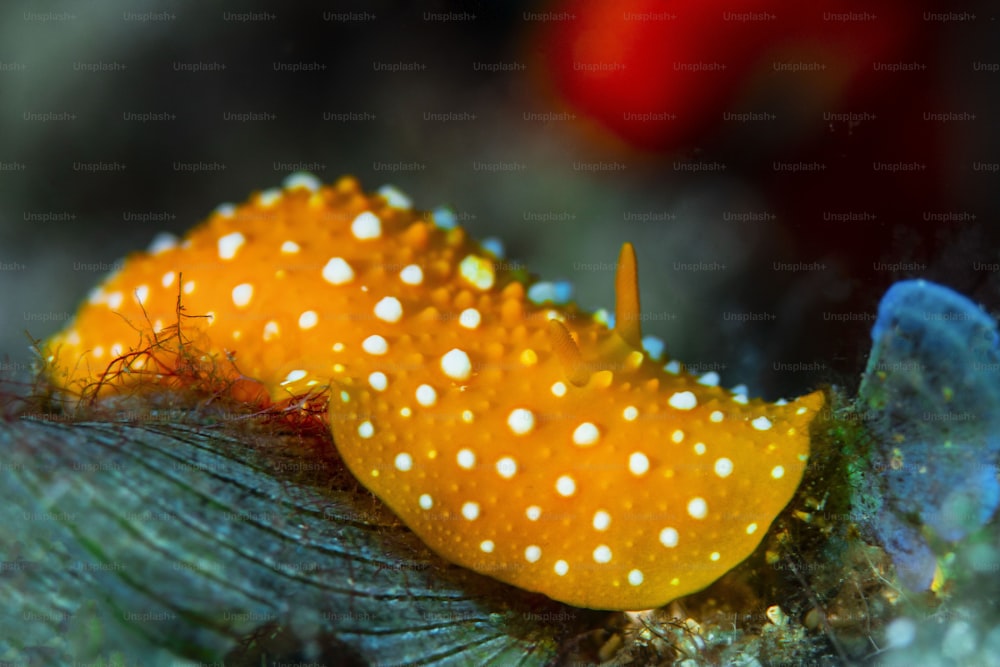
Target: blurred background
(777,164)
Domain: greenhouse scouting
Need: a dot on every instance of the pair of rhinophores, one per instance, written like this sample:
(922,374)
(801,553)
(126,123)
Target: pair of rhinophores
(526,440)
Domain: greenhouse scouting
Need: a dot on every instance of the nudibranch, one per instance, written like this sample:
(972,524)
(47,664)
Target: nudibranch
(527,441)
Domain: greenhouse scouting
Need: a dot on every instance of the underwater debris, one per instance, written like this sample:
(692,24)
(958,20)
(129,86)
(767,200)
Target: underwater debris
(931,396)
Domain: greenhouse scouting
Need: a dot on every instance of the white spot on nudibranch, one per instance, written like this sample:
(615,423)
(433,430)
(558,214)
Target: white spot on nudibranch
(716,416)
(602,554)
(301,179)
(269,197)
(630,414)
(561,567)
(565,486)
(230,244)
(470,318)
(506,467)
(635,577)
(669,537)
(366,430)
(378,381)
(375,345)
(638,464)
(389,309)
(426,396)
(394,197)
(486,546)
(532,554)
(477,271)
(294,376)
(761,423)
(425,501)
(586,434)
(412,275)
(337,271)
(466,459)
(533,513)
(308,320)
(723,467)
(404,462)
(366,226)
(697,508)
(521,421)
(242,294)
(683,400)
(470,511)
(709,379)
(558,389)
(141,293)
(456,364)
(271,331)
(777,472)
(290,247)
(162,242)
(602,520)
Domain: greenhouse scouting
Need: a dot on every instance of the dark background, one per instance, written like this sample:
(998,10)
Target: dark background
(57,221)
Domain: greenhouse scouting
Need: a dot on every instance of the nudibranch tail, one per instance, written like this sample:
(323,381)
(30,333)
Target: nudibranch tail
(526,441)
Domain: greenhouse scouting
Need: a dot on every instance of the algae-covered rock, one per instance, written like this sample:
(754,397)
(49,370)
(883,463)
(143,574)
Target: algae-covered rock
(931,396)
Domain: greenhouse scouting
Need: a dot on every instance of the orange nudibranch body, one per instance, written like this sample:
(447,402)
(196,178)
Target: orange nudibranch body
(527,441)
